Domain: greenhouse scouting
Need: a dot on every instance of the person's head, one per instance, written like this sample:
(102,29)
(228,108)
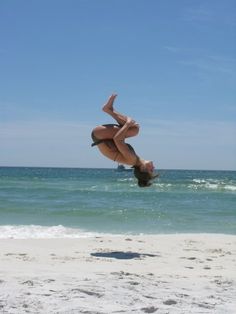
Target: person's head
(144,173)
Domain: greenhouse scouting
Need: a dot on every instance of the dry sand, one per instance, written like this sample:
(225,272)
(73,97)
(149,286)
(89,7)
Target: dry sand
(119,274)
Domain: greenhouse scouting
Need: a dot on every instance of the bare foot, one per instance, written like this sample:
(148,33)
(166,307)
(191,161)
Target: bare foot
(108,107)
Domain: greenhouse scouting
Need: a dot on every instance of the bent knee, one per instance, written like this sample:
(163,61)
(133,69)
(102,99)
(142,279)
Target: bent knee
(133,131)
(97,130)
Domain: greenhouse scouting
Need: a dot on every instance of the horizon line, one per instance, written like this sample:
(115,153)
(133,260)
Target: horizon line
(108,168)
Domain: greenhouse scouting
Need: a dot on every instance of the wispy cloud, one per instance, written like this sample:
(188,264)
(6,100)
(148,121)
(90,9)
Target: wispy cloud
(189,144)
(44,143)
(220,132)
(214,64)
(200,14)
(43,131)
(170,143)
(18,111)
(201,59)
(209,12)
(172,49)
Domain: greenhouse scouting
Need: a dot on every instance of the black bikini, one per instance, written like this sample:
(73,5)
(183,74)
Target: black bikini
(97,141)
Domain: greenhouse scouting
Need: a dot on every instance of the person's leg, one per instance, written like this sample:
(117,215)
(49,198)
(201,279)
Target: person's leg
(108,108)
(108,131)
(120,118)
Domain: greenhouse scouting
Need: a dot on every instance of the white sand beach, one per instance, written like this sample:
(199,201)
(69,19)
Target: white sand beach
(193,273)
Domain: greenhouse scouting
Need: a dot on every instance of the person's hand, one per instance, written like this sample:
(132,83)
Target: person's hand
(130,122)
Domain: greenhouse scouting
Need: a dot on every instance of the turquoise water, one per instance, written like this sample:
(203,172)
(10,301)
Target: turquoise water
(62,201)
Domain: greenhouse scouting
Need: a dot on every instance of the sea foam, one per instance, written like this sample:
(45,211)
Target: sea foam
(41,232)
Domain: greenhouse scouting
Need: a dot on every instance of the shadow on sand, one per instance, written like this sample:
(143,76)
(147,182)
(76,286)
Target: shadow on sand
(122,255)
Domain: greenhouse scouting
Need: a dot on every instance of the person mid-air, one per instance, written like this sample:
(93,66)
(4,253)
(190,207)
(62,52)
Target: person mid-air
(110,139)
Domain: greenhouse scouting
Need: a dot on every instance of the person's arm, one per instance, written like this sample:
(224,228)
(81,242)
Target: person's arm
(121,134)
(119,140)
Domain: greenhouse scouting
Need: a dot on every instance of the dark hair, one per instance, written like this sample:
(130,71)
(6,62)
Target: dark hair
(144,178)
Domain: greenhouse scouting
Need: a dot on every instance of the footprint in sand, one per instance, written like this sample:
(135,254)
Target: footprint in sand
(128,239)
(21,256)
(49,280)
(28,282)
(150,309)
(170,302)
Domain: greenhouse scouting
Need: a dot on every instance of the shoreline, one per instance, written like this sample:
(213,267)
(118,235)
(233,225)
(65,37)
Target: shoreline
(28,232)
(166,273)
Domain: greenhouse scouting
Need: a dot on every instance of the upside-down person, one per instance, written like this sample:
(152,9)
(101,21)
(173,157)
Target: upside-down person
(110,140)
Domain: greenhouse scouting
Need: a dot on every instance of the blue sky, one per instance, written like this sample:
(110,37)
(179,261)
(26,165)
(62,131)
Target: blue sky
(172,63)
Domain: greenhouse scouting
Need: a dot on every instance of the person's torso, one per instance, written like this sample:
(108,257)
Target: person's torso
(109,149)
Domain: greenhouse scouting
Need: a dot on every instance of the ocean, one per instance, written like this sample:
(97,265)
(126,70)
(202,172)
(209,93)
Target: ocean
(77,202)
